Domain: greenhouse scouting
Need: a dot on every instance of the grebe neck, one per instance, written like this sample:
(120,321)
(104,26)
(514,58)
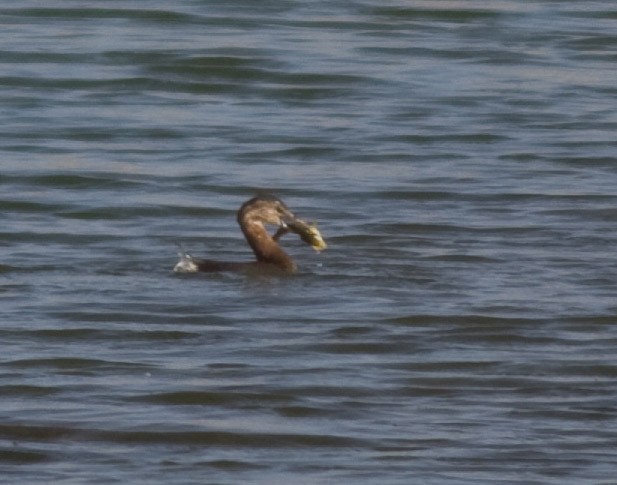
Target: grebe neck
(266,249)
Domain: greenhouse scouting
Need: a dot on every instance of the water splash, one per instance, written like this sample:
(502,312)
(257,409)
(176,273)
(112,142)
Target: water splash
(186,264)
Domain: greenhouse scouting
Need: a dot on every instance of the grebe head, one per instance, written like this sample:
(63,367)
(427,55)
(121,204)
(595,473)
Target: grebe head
(265,209)
(268,209)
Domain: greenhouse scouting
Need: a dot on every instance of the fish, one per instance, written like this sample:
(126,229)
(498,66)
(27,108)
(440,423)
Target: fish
(309,233)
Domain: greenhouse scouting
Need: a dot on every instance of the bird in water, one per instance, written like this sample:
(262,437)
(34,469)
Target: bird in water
(253,216)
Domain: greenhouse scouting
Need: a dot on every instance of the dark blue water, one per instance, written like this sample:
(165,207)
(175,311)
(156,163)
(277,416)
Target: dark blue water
(459,158)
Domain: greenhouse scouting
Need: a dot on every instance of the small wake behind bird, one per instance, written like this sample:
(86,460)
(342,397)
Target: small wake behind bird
(253,216)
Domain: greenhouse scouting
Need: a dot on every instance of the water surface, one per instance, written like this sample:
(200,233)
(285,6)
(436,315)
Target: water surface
(459,158)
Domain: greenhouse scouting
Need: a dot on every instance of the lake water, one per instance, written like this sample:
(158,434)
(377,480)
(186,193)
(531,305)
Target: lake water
(459,157)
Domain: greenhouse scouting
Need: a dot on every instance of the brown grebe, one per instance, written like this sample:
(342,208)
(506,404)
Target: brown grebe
(253,216)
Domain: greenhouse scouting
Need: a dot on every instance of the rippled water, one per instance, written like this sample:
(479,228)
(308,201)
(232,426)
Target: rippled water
(460,159)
